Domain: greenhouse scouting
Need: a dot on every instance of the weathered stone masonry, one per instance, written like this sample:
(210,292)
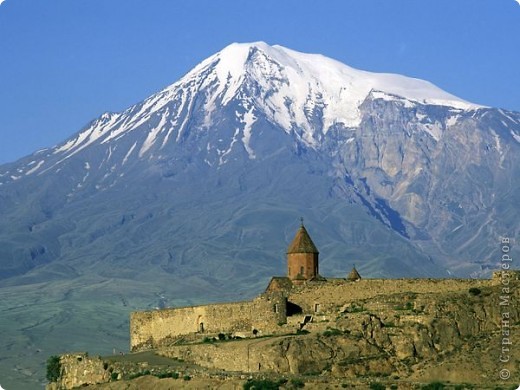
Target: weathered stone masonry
(156,328)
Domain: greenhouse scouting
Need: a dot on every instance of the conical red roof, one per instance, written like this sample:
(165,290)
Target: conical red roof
(302,243)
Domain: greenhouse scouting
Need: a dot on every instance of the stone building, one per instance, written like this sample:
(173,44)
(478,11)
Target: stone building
(302,257)
(264,314)
(288,304)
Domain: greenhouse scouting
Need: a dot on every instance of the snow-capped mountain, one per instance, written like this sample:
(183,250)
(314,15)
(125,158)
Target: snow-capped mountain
(305,93)
(194,194)
(255,133)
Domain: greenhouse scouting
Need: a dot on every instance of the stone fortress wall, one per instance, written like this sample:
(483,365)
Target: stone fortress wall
(327,297)
(288,304)
(156,328)
(279,311)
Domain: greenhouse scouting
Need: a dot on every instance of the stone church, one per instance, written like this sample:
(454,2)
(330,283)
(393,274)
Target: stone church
(302,257)
(265,314)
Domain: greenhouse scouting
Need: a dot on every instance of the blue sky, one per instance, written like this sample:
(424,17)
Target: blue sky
(65,62)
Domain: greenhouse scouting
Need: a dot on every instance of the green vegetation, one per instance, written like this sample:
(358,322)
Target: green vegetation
(377,386)
(114,376)
(434,386)
(297,383)
(263,384)
(186,377)
(221,337)
(136,375)
(268,384)
(474,291)
(53,368)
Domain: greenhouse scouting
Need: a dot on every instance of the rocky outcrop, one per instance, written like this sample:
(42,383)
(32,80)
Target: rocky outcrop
(78,370)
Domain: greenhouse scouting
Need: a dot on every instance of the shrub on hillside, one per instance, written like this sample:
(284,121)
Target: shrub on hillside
(474,291)
(297,383)
(434,386)
(53,368)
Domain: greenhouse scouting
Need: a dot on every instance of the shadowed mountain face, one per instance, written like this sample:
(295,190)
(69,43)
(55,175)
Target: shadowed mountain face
(204,183)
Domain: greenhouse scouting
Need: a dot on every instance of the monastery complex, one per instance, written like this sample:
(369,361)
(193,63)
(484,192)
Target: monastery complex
(301,300)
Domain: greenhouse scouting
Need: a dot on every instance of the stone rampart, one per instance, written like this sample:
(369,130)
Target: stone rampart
(157,328)
(325,297)
(264,315)
(388,334)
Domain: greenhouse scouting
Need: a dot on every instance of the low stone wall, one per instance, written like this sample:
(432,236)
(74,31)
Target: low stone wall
(158,328)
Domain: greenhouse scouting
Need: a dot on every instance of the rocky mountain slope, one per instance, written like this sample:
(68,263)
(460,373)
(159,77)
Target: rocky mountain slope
(203,183)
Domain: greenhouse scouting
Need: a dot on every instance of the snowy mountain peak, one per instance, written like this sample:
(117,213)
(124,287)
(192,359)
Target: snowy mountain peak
(304,83)
(302,93)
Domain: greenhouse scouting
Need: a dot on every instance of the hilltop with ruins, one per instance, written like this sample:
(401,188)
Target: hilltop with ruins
(326,332)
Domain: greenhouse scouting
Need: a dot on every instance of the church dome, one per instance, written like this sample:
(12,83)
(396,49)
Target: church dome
(302,243)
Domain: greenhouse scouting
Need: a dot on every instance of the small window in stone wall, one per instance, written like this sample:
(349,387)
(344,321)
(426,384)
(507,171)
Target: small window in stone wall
(301,270)
(316,307)
(275,308)
(201,327)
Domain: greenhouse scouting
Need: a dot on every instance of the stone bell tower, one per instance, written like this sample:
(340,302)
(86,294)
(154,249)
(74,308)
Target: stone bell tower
(302,257)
